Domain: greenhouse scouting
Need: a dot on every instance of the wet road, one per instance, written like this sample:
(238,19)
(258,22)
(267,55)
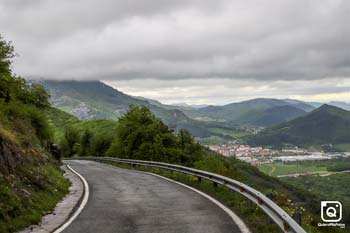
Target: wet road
(130,201)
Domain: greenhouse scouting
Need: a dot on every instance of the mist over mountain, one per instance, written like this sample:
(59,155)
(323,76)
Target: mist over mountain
(338,104)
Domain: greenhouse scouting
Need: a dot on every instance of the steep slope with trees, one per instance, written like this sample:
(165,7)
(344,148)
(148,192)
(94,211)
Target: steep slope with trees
(31,182)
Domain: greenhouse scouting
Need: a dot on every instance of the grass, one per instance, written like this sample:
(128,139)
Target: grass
(32,193)
(235,133)
(278,169)
(342,147)
(8,135)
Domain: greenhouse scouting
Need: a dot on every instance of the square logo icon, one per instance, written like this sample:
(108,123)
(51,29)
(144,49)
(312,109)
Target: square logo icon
(331,211)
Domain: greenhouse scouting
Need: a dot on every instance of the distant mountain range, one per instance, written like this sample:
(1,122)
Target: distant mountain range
(324,125)
(96,100)
(339,104)
(258,112)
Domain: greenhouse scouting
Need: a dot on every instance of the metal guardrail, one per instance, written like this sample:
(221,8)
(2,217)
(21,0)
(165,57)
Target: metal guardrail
(276,213)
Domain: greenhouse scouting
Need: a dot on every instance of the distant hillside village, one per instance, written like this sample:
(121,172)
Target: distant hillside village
(259,155)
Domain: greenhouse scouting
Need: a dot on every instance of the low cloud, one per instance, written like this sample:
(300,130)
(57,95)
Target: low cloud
(179,41)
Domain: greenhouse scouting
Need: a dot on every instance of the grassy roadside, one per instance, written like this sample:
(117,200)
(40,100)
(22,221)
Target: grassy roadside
(32,193)
(284,169)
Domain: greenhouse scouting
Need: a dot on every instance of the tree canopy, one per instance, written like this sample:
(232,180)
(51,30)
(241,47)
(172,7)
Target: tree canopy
(140,135)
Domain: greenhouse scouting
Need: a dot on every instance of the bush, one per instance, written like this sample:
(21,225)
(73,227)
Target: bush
(21,117)
(100,145)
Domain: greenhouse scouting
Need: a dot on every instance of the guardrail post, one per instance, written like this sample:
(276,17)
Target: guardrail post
(297,216)
(215,184)
(199,179)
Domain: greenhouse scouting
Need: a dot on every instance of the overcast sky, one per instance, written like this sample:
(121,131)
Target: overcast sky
(194,51)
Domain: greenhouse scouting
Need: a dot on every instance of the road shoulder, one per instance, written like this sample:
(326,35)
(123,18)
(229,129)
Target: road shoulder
(64,209)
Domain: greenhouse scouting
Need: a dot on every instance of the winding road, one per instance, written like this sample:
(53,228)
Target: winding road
(126,201)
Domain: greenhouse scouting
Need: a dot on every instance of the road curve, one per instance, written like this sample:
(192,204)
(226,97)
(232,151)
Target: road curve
(126,201)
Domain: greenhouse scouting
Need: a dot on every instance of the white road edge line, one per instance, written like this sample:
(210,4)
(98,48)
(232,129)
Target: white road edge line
(241,225)
(82,204)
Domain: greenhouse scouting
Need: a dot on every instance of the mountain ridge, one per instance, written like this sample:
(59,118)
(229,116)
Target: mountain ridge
(324,125)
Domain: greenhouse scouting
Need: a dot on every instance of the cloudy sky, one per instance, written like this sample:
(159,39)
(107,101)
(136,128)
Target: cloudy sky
(194,51)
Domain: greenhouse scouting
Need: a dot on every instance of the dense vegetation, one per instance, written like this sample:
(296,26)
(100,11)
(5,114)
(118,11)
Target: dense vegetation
(140,135)
(31,182)
(332,187)
(324,125)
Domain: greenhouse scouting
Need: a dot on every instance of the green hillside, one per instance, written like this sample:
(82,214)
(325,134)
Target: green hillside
(89,100)
(60,120)
(96,100)
(257,112)
(324,125)
(31,182)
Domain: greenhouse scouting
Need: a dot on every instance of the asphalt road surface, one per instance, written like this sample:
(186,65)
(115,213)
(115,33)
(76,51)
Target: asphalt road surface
(130,201)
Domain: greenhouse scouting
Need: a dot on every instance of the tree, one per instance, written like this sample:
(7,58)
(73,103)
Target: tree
(100,145)
(192,151)
(140,135)
(85,143)
(6,55)
(34,94)
(70,142)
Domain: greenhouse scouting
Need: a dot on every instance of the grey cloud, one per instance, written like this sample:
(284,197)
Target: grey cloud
(238,40)
(223,91)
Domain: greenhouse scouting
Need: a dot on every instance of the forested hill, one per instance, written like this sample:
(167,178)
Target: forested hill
(256,112)
(31,182)
(95,100)
(324,125)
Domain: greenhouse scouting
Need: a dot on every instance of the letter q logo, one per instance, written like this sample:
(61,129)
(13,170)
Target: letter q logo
(331,211)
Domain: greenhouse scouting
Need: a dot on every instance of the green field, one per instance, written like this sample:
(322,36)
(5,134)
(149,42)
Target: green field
(278,169)
(342,147)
